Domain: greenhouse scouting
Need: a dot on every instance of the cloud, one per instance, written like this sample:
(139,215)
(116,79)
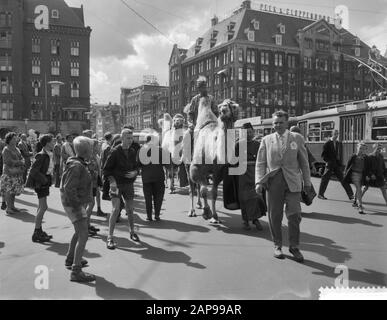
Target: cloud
(375,35)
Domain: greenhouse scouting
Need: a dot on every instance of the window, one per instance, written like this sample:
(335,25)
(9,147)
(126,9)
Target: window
(225,58)
(314,132)
(307,98)
(251,35)
(250,74)
(335,66)
(278,39)
(265,58)
(321,64)
(291,61)
(265,76)
(208,65)
(217,61)
(55,14)
(240,55)
(232,55)
(55,43)
(357,52)
(5,62)
(308,43)
(74,69)
(282,28)
(35,88)
(4,85)
(5,39)
(291,78)
(240,73)
(278,77)
(307,63)
(379,128)
(335,98)
(3,19)
(278,60)
(75,48)
(35,45)
(240,93)
(322,45)
(326,130)
(250,56)
(55,68)
(55,91)
(6,110)
(35,66)
(74,90)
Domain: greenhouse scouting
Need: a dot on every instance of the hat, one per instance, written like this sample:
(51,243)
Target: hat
(247,125)
(201,81)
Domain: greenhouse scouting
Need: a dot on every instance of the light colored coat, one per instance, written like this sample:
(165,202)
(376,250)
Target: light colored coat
(294,163)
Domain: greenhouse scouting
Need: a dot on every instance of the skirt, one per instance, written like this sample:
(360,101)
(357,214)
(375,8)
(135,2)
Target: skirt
(11,184)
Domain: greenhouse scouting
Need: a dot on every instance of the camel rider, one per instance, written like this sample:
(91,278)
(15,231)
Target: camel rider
(192,109)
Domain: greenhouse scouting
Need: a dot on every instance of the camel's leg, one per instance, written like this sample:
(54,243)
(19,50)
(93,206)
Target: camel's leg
(197,190)
(172,181)
(207,214)
(214,196)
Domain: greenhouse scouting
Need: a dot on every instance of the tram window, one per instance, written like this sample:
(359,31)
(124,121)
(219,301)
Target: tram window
(326,130)
(314,132)
(379,128)
(303,128)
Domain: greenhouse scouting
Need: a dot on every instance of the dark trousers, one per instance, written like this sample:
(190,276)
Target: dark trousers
(57,175)
(153,193)
(329,171)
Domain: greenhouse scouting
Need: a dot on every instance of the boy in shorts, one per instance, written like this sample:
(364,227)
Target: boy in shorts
(76,194)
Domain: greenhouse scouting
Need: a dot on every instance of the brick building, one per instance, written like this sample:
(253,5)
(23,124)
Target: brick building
(268,59)
(105,118)
(142,106)
(30,58)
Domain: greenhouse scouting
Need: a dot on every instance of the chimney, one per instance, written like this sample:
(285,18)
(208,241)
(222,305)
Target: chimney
(246,4)
(214,21)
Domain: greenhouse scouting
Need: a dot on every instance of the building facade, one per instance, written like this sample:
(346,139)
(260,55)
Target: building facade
(268,59)
(142,106)
(105,118)
(32,58)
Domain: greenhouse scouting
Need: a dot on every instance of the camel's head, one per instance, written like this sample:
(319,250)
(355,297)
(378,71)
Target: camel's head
(178,121)
(228,110)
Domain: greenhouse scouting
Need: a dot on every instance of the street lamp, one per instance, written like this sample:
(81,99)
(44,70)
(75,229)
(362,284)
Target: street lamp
(55,85)
(25,124)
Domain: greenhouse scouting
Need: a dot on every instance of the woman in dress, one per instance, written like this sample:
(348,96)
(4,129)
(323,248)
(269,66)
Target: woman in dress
(13,168)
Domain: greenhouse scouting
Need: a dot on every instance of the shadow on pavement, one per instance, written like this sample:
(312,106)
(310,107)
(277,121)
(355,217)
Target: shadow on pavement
(340,219)
(109,291)
(309,242)
(35,205)
(23,216)
(375,204)
(156,254)
(61,249)
(169,224)
(369,277)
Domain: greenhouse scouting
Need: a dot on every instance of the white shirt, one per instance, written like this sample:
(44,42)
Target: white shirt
(50,170)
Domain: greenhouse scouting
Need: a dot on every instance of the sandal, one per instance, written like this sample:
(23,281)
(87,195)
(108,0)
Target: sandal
(134,237)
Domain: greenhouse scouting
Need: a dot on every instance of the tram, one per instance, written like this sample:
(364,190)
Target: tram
(364,120)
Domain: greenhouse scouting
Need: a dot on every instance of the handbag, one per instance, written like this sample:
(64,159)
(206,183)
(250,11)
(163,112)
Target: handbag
(308,196)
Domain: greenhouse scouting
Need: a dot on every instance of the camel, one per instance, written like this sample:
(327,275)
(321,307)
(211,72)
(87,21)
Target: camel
(210,156)
(173,135)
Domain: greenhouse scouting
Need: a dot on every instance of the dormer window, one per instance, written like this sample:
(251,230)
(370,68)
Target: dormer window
(281,28)
(278,39)
(357,41)
(357,52)
(251,35)
(55,14)
(255,24)
(214,34)
(199,42)
(231,26)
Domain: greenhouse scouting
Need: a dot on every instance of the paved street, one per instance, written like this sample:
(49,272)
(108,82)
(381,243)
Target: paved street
(186,258)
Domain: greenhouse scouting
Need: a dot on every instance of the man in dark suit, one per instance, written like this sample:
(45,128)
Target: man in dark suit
(331,155)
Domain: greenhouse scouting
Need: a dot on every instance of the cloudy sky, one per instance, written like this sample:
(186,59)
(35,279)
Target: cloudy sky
(124,47)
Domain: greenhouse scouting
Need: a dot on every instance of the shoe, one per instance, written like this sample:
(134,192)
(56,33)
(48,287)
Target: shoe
(92,233)
(100,213)
(278,253)
(157,218)
(40,237)
(322,197)
(149,219)
(351,198)
(246,226)
(361,211)
(354,204)
(3,206)
(47,235)
(297,254)
(69,263)
(92,228)
(11,212)
(111,245)
(82,277)
(134,237)
(258,225)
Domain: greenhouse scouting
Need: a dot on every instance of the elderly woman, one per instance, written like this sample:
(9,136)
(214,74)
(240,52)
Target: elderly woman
(76,195)
(13,168)
(357,172)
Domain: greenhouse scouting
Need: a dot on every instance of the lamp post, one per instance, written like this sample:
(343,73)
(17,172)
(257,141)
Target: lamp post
(25,125)
(56,86)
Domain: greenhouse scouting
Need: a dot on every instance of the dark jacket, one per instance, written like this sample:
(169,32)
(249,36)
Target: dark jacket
(378,169)
(118,164)
(37,177)
(152,172)
(76,181)
(331,155)
(348,169)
